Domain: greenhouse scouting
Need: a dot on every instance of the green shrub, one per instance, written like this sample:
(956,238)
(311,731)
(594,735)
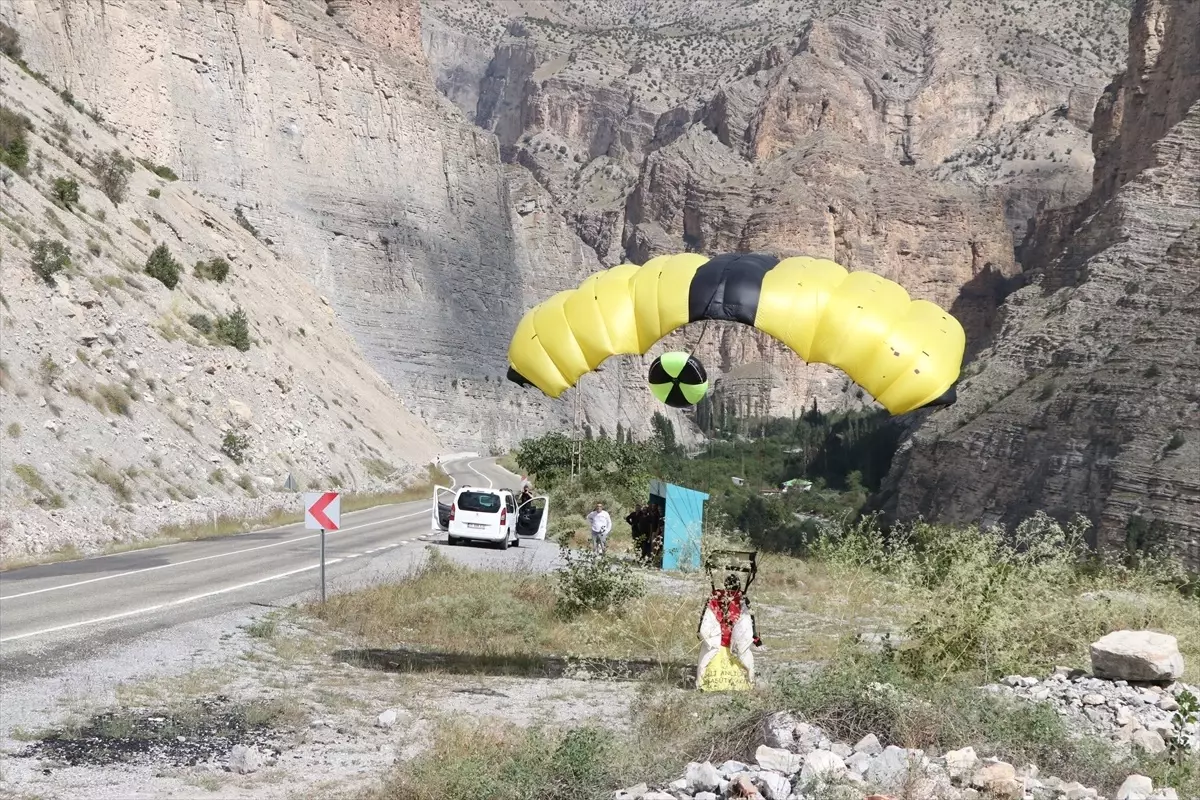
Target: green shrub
(216,269)
(112,172)
(234,445)
(162,265)
(155,193)
(234,330)
(588,581)
(164,172)
(66,191)
(14,140)
(201,322)
(49,257)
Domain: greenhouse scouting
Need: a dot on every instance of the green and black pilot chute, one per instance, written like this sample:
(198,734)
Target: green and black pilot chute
(678,379)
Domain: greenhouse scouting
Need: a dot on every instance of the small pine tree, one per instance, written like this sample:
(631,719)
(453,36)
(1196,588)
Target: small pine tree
(234,330)
(162,265)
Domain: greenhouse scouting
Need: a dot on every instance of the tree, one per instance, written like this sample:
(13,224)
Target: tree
(49,257)
(112,172)
(234,330)
(66,191)
(162,265)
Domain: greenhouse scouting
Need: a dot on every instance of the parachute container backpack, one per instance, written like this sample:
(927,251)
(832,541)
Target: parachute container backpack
(678,379)
(727,631)
(906,353)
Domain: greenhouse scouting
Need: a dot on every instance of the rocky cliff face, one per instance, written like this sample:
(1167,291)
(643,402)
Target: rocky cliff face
(1088,400)
(122,409)
(319,123)
(914,141)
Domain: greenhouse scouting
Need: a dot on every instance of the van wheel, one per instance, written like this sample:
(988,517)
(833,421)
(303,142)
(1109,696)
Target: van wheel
(452,540)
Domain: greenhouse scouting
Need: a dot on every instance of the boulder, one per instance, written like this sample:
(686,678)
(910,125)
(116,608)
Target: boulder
(777,759)
(822,765)
(1137,656)
(1136,787)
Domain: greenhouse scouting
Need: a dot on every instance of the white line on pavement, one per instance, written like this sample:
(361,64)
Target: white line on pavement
(168,604)
(207,558)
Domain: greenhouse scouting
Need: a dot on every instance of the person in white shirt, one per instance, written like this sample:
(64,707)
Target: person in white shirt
(601,525)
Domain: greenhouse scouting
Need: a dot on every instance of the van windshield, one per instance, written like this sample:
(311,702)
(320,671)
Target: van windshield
(483,502)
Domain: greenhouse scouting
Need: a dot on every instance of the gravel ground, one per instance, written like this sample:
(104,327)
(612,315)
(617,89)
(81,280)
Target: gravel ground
(336,743)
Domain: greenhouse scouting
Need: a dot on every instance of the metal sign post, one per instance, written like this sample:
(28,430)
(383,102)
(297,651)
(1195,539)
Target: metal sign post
(322,566)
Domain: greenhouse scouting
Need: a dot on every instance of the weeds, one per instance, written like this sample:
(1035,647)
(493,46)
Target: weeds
(47,497)
(104,474)
(990,603)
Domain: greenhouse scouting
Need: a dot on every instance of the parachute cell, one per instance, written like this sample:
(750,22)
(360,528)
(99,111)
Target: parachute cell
(907,353)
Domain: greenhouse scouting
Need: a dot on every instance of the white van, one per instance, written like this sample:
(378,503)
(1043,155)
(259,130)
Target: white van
(488,515)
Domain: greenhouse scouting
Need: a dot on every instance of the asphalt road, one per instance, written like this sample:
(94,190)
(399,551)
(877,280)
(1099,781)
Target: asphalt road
(50,613)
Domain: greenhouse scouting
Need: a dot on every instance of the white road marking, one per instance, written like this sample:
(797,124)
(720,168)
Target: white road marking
(169,604)
(208,558)
(471,466)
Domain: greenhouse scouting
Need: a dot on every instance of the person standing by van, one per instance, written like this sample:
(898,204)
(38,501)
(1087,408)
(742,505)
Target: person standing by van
(601,525)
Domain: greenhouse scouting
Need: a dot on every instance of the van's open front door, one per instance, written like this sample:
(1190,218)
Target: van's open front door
(532,517)
(443,497)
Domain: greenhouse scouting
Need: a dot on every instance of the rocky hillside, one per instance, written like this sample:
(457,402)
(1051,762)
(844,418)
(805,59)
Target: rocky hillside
(143,387)
(914,139)
(319,123)
(1088,400)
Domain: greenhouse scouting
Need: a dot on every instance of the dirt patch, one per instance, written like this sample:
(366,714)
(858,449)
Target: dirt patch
(204,730)
(676,674)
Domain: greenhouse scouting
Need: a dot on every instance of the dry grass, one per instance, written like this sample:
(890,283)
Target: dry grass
(449,608)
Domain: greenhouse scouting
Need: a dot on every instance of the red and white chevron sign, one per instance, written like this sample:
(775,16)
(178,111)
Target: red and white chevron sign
(322,511)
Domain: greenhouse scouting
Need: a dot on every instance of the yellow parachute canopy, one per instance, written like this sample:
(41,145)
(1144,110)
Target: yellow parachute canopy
(907,353)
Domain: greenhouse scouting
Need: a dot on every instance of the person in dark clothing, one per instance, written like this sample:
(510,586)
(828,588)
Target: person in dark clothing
(640,525)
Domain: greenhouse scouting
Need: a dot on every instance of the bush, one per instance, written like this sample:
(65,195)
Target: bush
(49,257)
(155,193)
(592,582)
(164,172)
(66,191)
(162,265)
(14,140)
(234,330)
(990,602)
(234,445)
(201,322)
(216,269)
(10,42)
(112,172)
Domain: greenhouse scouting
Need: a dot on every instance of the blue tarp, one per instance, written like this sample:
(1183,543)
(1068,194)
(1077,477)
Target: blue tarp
(683,524)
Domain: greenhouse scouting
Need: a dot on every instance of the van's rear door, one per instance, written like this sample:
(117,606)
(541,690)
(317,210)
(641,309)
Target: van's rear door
(478,509)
